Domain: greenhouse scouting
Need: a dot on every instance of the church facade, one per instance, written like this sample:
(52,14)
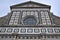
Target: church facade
(30,21)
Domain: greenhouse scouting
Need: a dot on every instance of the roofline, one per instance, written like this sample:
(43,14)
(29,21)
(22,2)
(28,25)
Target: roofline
(29,7)
(30,2)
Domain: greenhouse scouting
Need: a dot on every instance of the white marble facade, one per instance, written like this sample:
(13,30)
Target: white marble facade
(41,14)
(36,38)
(30,12)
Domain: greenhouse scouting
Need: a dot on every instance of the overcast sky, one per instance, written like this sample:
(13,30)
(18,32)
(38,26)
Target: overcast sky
(5,5)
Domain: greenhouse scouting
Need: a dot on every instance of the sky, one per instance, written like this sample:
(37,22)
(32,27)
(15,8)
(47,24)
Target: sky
(5,5)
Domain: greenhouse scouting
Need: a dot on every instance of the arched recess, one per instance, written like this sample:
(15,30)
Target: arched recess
(29,20)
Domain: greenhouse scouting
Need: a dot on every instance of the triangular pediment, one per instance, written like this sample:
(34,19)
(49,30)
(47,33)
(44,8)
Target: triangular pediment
(30,4)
